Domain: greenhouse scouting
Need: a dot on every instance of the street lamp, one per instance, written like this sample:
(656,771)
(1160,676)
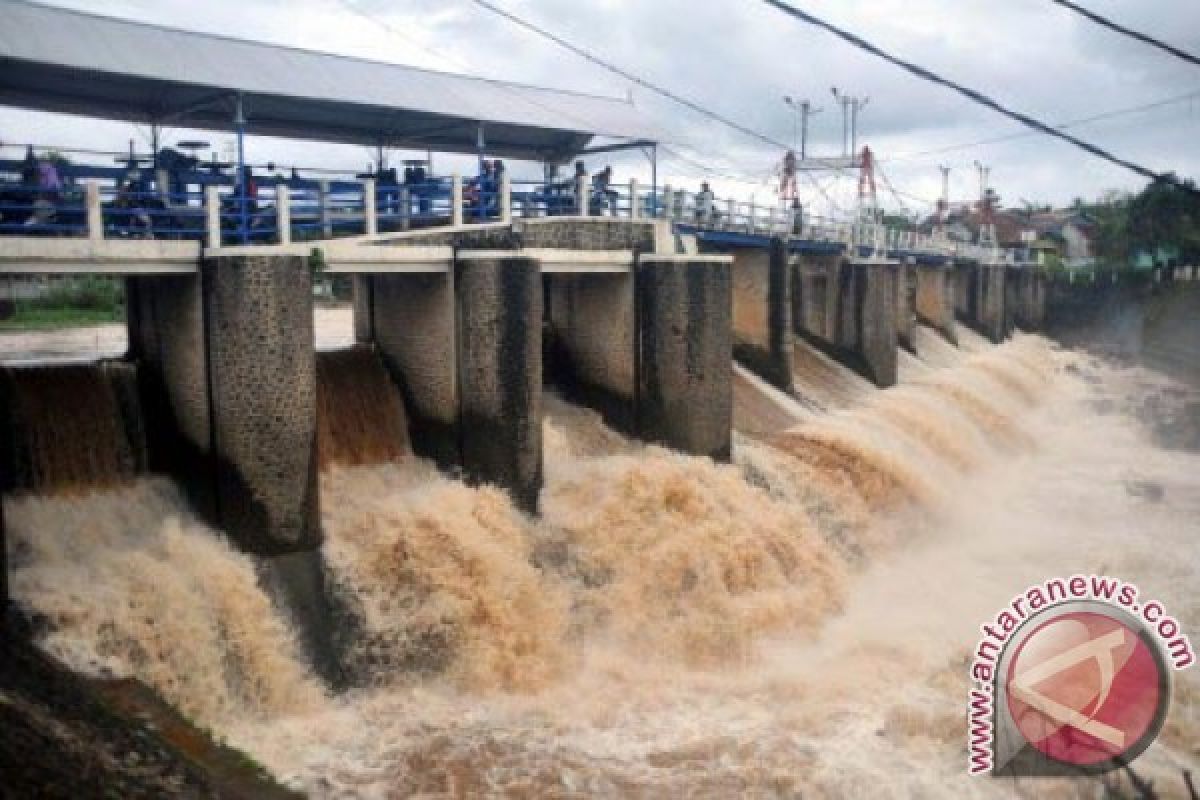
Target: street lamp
(803,110)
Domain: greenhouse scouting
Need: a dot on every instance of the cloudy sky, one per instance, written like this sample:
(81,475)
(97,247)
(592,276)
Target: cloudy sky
(740,57)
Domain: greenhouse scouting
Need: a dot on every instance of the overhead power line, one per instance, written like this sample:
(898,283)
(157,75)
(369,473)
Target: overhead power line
(1121,29)
(629,76)
(1120,112)
(976,96)
(647,84)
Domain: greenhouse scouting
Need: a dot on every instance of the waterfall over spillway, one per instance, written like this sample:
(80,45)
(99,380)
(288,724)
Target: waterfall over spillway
(794,622)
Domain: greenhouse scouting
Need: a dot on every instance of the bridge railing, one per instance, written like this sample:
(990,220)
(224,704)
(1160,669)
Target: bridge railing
(213,209)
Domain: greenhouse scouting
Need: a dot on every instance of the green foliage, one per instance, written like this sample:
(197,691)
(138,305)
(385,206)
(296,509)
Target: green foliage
(35,319)
(1161,216)
(88,293)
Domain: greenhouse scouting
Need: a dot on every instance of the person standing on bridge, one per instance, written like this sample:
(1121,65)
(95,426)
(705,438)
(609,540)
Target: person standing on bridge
(787,177)
(705,203)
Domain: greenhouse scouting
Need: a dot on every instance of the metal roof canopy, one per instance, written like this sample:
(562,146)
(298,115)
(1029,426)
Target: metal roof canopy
(61,60)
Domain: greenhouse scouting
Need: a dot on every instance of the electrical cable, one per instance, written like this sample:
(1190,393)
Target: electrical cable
(978,97)
(1189,96)
(629,76)
(1121,29)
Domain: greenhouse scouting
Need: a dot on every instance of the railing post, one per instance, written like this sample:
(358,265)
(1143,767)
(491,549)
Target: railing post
(581,197)
(283,213)
(405,207)
(212,209)
(323,210)
(456,200)
(668,204)
(635,208)
(162,182)
(370,209)
(506,206)
(95,212)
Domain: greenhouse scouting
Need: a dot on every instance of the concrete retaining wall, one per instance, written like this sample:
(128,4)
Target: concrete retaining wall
(499,299)
(413,319)
(935,298)
(685,346)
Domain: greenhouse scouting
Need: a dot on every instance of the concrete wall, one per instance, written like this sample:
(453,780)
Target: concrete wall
(568,233)
(876,289)
(591,342)
(165,316)
(499,300)
(906,306)
(601,233)
(815,295)
(363,305)
(966,278)
(263,393)
(1029,300)
(413,319)
(851,310)
(762,312)
(990,317)
(4,592)
(935,298)
(685,345)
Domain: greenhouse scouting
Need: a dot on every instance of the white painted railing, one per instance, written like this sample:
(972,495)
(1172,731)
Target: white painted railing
(372,209)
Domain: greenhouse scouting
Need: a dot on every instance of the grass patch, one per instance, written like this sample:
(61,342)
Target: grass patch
(88,300)
(44,319)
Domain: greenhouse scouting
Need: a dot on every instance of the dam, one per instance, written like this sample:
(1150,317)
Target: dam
(636,503)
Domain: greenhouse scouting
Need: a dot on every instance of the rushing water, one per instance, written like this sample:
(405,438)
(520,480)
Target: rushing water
(798,622)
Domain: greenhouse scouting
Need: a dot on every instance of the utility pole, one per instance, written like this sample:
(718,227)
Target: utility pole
(984,172)
(987,229)
(945,201)
(803,110)
(851,106)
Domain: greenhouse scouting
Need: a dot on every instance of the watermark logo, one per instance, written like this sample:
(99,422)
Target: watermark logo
(1074,676)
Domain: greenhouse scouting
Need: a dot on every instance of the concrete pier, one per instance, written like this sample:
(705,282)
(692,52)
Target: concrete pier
(1030,299)
(877,340)
(363,304)
(228,387)
(966,295)
(499,301)
(935,298)
(851,310)
(762,312)
(906,305)
(165,318)
(990,301)
(685,349)
(815,296)
(4,594)
(1012,297)
(262,386)
(412,323)
(591,347)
